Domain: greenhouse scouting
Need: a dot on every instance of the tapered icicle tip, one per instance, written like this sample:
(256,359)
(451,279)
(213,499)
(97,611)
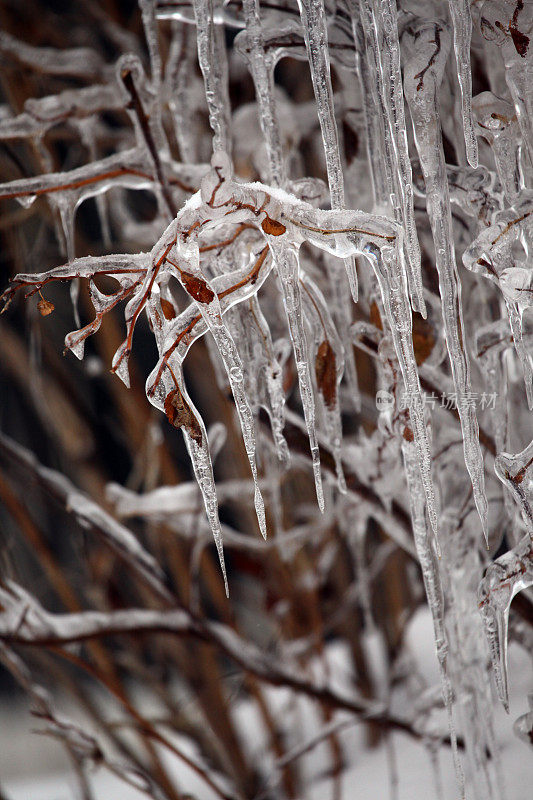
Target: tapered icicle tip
(260,512)
(483,511)
(220,552)
(351,271)
(318,480)
(473,159)
(529,393)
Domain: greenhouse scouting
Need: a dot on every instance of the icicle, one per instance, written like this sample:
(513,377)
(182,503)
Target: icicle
(65,206)
(523,726)
(316,40)
(423,74)
(329,368)
(274,381)
(491,255)
(507,576)
(392,283)
(169,394)
(434,590)
(515,473)
(212,315)
(462,35)
(341,310)
(213,73)
(178,80)
(262,75)
(385,95)
(374,134)
(198,449)
(287,265)
(150,31)
(390,55)
(497,123)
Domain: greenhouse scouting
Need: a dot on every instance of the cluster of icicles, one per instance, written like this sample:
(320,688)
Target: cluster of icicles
(397,69)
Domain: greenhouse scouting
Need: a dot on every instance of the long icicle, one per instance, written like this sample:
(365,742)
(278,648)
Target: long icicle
(423,74)
(373,30)
(434,591)
(462,35)
(215,91)
(316,41)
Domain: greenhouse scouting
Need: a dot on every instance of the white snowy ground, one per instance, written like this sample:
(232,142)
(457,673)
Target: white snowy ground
(33,767)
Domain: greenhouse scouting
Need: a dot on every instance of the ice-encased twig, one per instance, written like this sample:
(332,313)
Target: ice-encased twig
(90,515)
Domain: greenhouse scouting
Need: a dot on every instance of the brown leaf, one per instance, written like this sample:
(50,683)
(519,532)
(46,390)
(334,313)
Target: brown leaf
(408,434)
(180,415)
(423,339)
(197,288)
(45,307)
(168,309)
(520,41)
(273,227)
(326,373)
(375,317)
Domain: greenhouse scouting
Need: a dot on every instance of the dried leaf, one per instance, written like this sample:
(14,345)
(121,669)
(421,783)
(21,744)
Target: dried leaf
(375,316)
(423,339)
(168,309)
(326,373)
(197,288)
(45,307)
(180,415)
(273,227)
